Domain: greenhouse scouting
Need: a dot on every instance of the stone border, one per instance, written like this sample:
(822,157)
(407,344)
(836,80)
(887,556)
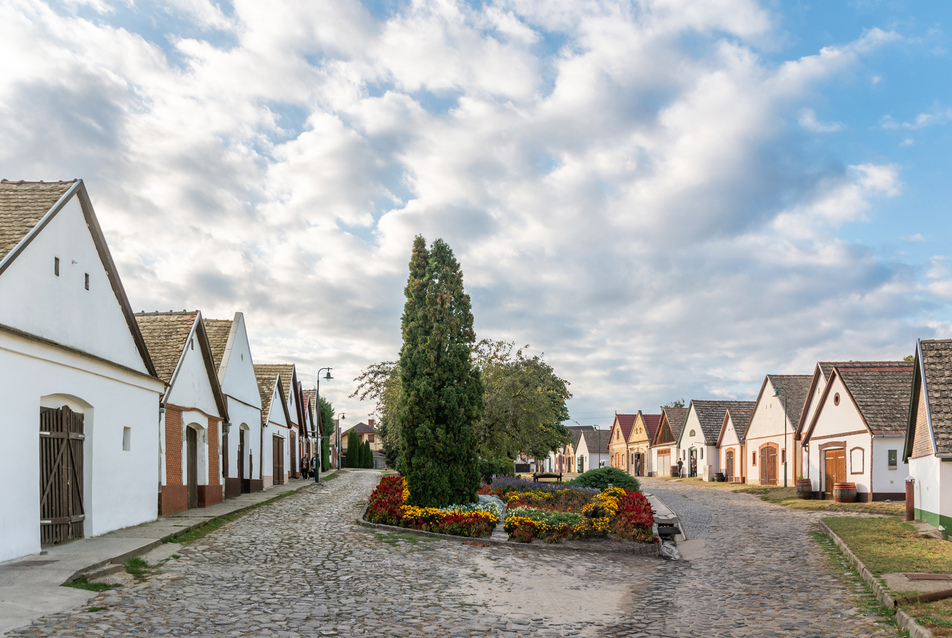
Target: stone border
(634,549)
(903,619)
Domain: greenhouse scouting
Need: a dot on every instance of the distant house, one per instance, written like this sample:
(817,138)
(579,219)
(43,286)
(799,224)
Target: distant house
(194,410)
(618,440)
(276,423)
(664,445)
(241,440)
(928,444)
(771,432)
(80,394)
(856,433)
(643,429)
(592,450)
(698,442)
(730,444)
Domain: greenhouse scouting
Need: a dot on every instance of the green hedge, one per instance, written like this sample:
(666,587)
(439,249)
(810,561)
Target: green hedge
(600,478)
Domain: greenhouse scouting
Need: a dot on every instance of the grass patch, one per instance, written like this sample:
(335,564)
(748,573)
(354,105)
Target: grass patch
(137,567)
(331,477)
(83,583)
(96,608)
(890,544)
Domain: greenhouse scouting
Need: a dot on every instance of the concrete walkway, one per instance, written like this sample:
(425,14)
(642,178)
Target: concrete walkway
(30,587)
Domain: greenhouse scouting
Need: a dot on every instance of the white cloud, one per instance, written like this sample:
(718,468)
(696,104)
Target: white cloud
(937,116)
(808,121)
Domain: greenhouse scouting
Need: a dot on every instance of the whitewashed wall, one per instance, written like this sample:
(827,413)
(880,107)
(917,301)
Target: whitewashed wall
(833,422)
(706,454)
(884,479)
(767,425)
(933,497)
(240,386)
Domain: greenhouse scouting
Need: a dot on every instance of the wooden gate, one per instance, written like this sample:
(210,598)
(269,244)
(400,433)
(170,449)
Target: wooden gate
(664,462)
(729,465)
(245,482)
(191,437)
(835,469)
(768,465)
(224,455)
(278,461)
(61,475)
(292,450)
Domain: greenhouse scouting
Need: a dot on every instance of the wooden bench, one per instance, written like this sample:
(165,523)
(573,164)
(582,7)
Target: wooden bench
(546,475)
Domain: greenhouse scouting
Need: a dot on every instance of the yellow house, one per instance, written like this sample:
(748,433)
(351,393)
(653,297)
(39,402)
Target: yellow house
(618,440)
(643,429)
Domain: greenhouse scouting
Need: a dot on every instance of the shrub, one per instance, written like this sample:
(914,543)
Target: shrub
(634,519)
(600,478)
(488,468)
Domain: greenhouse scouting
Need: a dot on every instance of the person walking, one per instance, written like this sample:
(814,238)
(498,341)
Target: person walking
(680,464)
(305,465)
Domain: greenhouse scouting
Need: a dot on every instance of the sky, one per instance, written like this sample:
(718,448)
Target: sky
(665,198)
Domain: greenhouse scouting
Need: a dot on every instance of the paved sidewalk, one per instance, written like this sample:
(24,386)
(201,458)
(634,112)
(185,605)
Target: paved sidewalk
(30,586)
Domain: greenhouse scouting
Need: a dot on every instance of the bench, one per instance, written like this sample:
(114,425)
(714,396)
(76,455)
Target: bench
(546,475)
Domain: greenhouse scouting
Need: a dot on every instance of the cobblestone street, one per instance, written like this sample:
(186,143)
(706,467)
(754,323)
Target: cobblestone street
(302,567)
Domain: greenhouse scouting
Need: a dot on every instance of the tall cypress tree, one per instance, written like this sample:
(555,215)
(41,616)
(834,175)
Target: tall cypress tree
(352,459)
(442,389)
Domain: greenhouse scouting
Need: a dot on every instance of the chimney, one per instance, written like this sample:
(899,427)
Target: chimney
(370,422)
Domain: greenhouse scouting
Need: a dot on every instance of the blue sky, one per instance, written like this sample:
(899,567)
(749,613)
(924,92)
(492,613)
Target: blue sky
(669,198)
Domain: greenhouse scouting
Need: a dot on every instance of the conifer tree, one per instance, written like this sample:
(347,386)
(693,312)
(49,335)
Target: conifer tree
(442,389)
(368,456)
(327,429)
(353,450)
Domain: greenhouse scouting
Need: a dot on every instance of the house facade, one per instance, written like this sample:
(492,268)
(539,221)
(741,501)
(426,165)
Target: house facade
(730,444)
(592,450)
(193,413)
(618,440)
(928,443)
(275,424)
(857,432)
(664,445)
(698,442)
(80,392)
(770,435)
(643,429)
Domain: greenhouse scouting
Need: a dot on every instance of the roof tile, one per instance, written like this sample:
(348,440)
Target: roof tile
(22,206)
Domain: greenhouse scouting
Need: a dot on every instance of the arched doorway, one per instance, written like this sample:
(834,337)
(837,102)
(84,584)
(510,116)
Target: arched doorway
(768,464)
(62,507)
(729,465)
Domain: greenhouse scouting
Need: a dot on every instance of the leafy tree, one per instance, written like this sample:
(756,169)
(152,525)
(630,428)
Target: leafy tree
(327,430)
(353,450)
(442,392)
(909,357)
(524,403)
(677,403)
(381,383)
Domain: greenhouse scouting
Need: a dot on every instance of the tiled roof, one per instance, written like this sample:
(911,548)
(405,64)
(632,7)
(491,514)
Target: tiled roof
(267,376)
(363,428)
(652,421)
(676,418)
(625,421)
(576,432)
(882,396)
(218,331)
(740,417)
(710,415)
(826,367)
(937,367)
(596,440)
(22,206)
(796,387)
(165,335)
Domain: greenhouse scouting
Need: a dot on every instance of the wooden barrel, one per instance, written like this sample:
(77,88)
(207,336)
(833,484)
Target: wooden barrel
(844,492)
(804,488)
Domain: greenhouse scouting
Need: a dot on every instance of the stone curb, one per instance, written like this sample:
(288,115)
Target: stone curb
(110,566)
(636,549)
(903,619)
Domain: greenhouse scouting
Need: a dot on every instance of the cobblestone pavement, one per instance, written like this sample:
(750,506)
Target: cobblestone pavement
(301,567)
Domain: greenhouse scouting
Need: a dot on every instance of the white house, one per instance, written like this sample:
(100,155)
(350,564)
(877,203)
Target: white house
(730,444)
(664,445)
(241,441)
(592,450)
(770,436)
(194,410)
(928,445)
(80,395)
(275,423)
(698,442)
(856,433)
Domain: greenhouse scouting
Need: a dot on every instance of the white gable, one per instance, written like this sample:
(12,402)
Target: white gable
(838,414)
(292,398)
(276,414)
(768,418)
(60,308)
(239,379)
(191,387)
(730,433)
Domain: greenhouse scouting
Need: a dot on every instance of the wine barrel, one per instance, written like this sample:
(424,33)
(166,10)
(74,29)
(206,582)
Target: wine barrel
(844,492)
(804,488)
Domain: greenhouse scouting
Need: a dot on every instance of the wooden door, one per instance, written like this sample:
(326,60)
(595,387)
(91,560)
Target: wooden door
(224,455)
(768,465)
(292,449)
(835,469)
(61,475)
(191,474)
(245,482)
(277,446)
(729,465)
(664,462)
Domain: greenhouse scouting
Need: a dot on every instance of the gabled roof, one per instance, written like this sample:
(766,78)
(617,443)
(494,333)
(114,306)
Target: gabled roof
(597,440)
(363,428)
(673,419)
(933,369)
(740,419)
(576,432)
(624,423)
(795,387)
(218,332)
(881,395)
(268,376)
(710,414)
(652,421)
(27,207)
(166,334)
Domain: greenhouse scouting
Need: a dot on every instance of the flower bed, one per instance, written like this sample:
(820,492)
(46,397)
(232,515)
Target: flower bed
(387,505)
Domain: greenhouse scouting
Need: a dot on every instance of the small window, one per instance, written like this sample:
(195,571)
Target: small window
(836,399)
(783,456)
(893,459)
(126,439)
(56,266)
(691,433)
(753,457)
(87,281)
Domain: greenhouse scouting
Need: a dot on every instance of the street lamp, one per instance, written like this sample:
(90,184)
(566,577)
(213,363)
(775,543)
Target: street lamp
(777,394)
(317,404)
(337,441)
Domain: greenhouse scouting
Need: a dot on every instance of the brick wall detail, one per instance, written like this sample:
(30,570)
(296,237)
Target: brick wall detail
(173,446)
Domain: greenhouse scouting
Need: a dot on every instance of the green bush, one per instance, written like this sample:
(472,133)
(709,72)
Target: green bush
(368,457)
(352,457)
(488,468)
(600,478)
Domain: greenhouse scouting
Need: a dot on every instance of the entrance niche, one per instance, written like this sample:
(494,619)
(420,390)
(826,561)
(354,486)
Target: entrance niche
(244,467)
(769,464)
(196,476)
(62,490)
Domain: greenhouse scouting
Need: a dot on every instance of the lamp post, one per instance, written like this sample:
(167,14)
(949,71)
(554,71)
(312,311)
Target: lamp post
(777,394)
(317,404)
(337,440)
